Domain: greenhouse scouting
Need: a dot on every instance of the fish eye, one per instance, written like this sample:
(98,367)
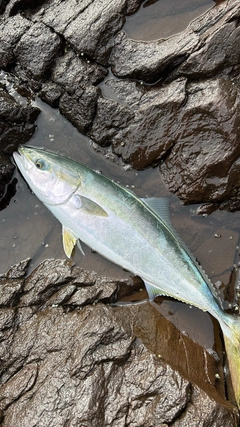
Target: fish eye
(40,164)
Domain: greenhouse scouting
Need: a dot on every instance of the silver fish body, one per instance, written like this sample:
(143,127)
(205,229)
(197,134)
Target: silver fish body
(126,230)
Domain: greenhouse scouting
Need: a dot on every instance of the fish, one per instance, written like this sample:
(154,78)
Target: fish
(133,233)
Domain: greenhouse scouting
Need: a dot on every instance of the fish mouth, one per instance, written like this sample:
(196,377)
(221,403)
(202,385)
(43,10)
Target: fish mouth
(21,159)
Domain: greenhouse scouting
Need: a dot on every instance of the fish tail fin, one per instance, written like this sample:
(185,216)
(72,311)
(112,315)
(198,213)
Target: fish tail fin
(231,334)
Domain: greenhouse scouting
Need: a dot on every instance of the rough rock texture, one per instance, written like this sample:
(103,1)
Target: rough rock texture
(77,79)
(65,362)
(208,148)
(204,48)
(88,26)
(144,122)
(37,49)
(16,127)
(11,31)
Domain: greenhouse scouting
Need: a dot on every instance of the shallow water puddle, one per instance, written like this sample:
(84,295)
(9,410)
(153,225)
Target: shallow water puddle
(162,18)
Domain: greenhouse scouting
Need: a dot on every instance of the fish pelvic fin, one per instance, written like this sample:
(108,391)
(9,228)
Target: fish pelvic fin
(231,336)
(69,241)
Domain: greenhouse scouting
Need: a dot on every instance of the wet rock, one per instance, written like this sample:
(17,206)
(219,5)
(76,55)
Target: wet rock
(19,384)
(198,406)
(207,46)
(56,356)
(37,50)
(10,293)
(15,6)
(148,61)
(110,118)
(105,19)
(72,72)
(51,92)
(11,30)
(6,172)
(77,77)
(201,63)
(17,271)
(141,125)
(16,127)
(67,285)
(206,145)
(80,109)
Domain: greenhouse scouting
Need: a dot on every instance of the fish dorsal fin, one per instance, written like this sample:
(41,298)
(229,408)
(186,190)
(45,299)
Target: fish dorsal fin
(69,241)
(88,206)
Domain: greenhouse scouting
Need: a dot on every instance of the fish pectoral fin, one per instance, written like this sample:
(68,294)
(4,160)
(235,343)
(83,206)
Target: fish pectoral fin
(88,206)
(154,291)
(69,241)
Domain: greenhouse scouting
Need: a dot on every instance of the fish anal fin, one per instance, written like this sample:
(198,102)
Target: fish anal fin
(154,291)
(69,241)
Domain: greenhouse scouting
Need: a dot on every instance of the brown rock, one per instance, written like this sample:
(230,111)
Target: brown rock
(98,361)
(208,45)
(206,146)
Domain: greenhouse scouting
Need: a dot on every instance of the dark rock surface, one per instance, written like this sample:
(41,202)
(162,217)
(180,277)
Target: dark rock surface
(16,127)
(37,49)
(208,45)
(148,119)
(88,26)
(11,31)
(209,149)
(68,359)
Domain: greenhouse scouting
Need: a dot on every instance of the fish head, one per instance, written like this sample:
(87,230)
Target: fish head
(51,177)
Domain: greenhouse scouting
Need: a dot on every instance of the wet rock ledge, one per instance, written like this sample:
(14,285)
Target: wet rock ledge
(67,358)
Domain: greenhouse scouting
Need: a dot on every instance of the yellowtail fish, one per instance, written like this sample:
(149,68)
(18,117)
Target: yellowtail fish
(131,232)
